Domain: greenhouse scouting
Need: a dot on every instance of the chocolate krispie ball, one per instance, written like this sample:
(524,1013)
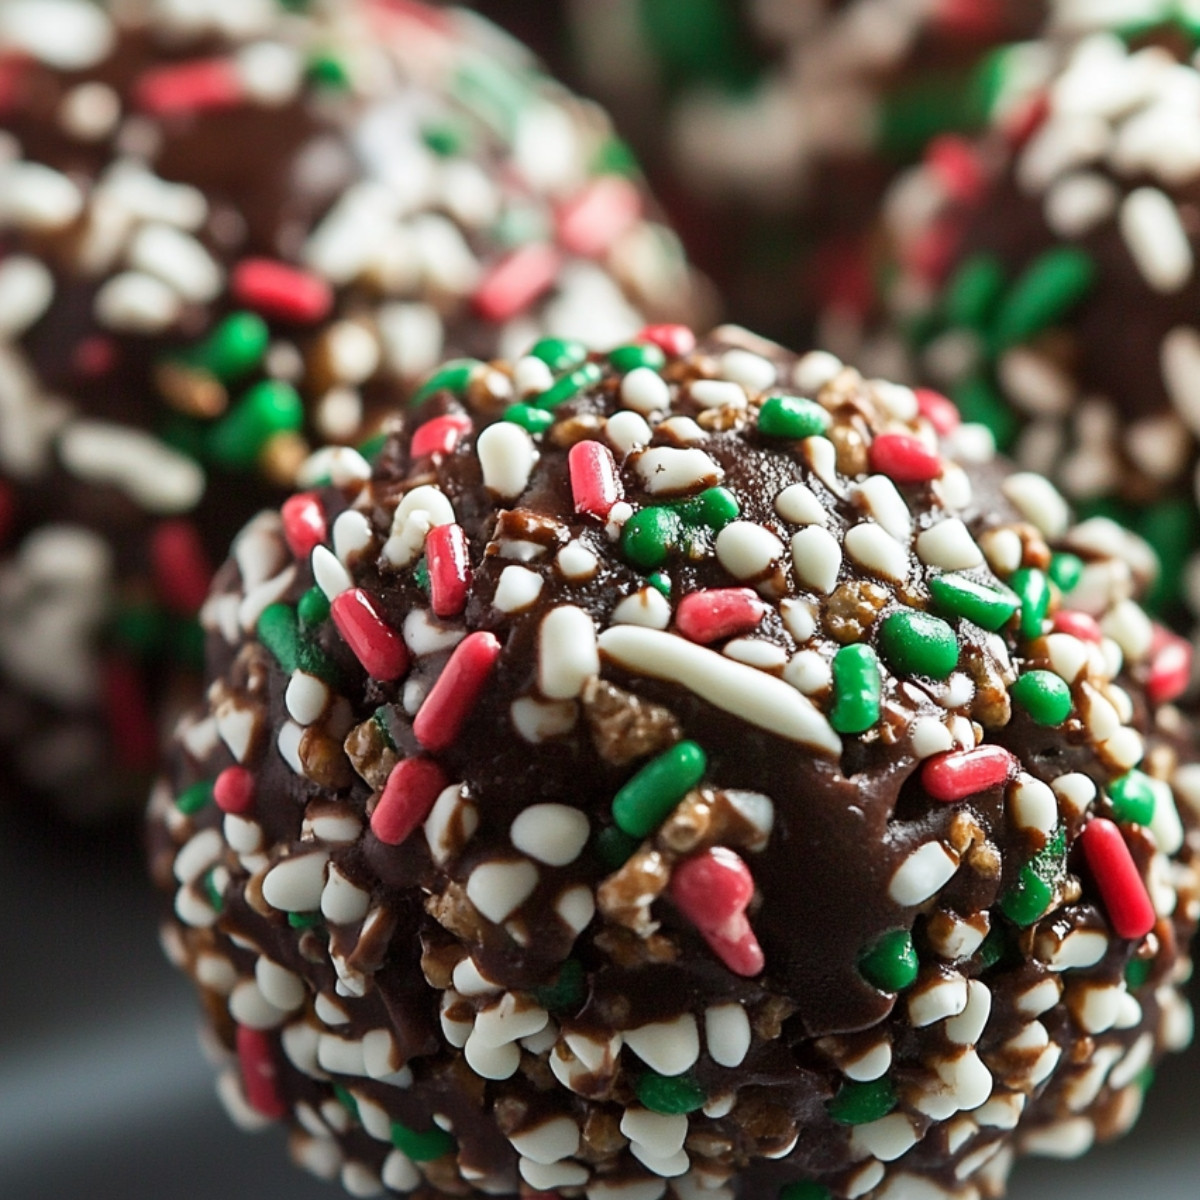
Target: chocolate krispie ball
(229,232)
(677,773)
(1046,278)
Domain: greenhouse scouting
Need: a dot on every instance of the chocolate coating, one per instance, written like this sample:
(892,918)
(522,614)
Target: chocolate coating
(671,858)
(363,189)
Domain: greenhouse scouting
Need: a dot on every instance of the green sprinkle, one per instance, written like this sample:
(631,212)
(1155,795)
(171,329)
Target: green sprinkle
(454,377)
(1050,288)
(981,404)
(962,597)
(305,920)
(347,1101)
(139,629)
(234,348)
(373,447)
(560,354)
(1137,972)
(661,582)
(857,689)
(614,157)
(495,94)
(328,71)
(1037,883)
(805,1189)
(267,409)
(890,963)
(650,535)
(1172,531)
(995,947)
(313,609)
(642,805)
(421,1147)
(1132,798)
(670,1096)
(1033,590)
(916,643)
(185,642)
(568,991)
(380,717)
(421,575)
(792,417)
(1066,570)
(570,385)
(861,1103)
(615,848)
(279,630)
(192,799)
(534,420)
(713,509)
(974,291)
(637,354)
(1044,696)
(215,898)
(445,138)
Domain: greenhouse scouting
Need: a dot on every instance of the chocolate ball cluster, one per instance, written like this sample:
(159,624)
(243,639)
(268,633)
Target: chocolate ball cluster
(676,772)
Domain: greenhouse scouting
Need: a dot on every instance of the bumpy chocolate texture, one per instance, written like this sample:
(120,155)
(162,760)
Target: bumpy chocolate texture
(672,774)
(1047,280)
(228,230)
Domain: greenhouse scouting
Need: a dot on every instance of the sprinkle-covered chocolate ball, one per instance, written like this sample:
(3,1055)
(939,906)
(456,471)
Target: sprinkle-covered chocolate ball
(1047,279)
(682,772)
(230,232)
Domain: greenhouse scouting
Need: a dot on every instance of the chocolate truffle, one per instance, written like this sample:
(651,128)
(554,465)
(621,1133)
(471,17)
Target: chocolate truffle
(682,772)
(229,232)
(1046,278)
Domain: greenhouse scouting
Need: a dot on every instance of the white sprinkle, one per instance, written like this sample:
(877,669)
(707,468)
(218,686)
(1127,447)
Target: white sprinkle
(747,550)
(1165,824)
(340,465)
(69,35)
(967,1027)
(26,289)
(1033,805)
(1003,550)
(492,1062)
(798,504)
(509,1020)
(550,1178)
(470,981)
(332,578)
(752,371)
(922,874)
(626,432)
(732,687)
(727,1034)
(950,546)
(551,833)
(576,907)
(532,376)
(537,721)
(249,1007)
(756,652)
(295,884)
(352,534)
(270,71)
(179,260)
(548,1142)
(877,551)
(506,456)
(815,370)
(1156,239)
(1179,357)
(499,888)
(1129,626)
(352,350)
(808,673)
(681,430)
(133,302)
(668,470)
(885,1139)
(197,855)
(34,197)
(1080,948)
(821,456)
(576,561)
(717,393)
(953,489)
(885,506)
(1036,385)
(281,987)
(668,1047)
(517,589)
(799,618)
(647,607)
(1078,203)
(343,902)
(305,698)
(567,655)
(929,736)
(1039,502)
(935,1001)
(645,391)
(451,823)
(817,558)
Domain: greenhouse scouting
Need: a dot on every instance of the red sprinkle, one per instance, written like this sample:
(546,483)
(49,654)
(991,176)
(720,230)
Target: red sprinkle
(712,890)
(233,790)
(440,435)
(13,71)
(304,524)
(278,290)
(94,356)
(904,458)
(591,221)
(375,643)
(1130,911)
(1025,120)
(205,83)
(131,724)
(958,774)
(716,613)
(940,411)
(595,485)
(452,698)
(929,255)
(447,555)
(1078,624)
(956,163)
(182,572)
(260,1077)
(1170,666)
(673,340)
(407,797)
(516,282)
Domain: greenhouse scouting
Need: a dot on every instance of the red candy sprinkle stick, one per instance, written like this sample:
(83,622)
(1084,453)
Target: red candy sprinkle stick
(132,727)
(440,435)
(256,1058)
(452,698)
(1079,625)
(407,797)
(712,891)
(718,613)
(304,524)
(938,410)
(1130,911)
(904,458)
(1170,666)
(189,87)
(591,221)
(182,573)
(376,644)
(962,773)
(594,483)
(673,340)
(448,558)
(233,790)
(516,282)
(278,290)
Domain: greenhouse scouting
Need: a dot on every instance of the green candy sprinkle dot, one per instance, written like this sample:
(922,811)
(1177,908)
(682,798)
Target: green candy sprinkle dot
(373,447)
(1138,972)
(661,582)
(533,420)
(805,1189)
(649,536)
(642,805)
(637,354)
(1033,590)
(916,643)
(570,385)
(308,920)
(1034,890)
(234,348)
(267,409)
(421,1147)
(454,377)
(1044,696)
(614,847)
(671,1097)
(973,292)
(792,417)
(568,990)
(1132,798)
(192,799)
(212,892)
(890,963)
(961,597)
(421,575)
(1066,570)
(1048,290)
(713,509)
(857,689)
(862,1103)
(346,1100)
(560,354)
(313,609)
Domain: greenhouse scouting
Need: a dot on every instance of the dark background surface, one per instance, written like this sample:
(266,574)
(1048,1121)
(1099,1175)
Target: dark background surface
(104,1092)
